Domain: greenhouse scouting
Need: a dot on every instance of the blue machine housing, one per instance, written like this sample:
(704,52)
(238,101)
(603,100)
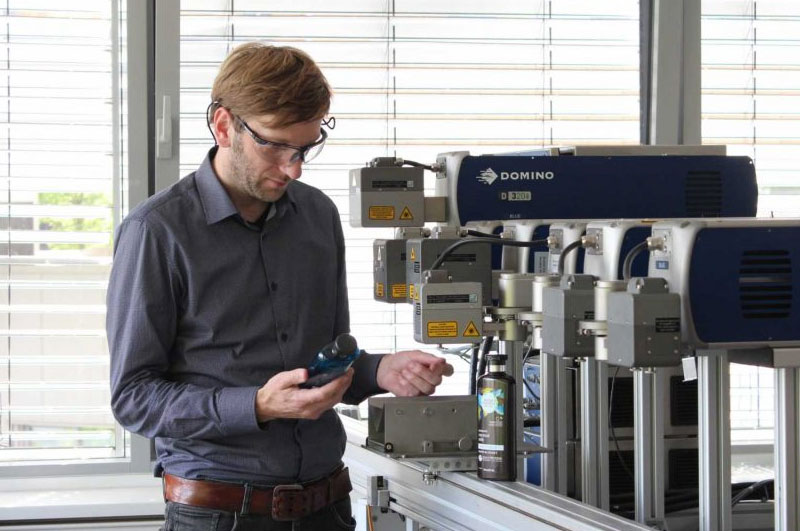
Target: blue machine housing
(744,285)
(590,187)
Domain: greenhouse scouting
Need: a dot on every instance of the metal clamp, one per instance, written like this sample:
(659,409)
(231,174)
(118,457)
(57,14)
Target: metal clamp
(378,492)
(593,328)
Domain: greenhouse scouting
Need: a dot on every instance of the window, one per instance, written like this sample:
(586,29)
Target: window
(60,143)
(414,79)
(750,92)
(750,102)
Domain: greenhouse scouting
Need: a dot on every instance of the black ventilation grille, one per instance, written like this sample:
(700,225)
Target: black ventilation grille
(703,194)
(683,402)
(765,284)
(683,467)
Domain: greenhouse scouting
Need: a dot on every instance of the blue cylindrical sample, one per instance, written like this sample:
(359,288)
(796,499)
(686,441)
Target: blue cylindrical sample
(335,356)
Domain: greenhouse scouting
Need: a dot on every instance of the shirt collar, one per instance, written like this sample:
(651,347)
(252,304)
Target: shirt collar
(217,205)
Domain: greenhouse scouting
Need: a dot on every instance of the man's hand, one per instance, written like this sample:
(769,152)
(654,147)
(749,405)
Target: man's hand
(412,373)
(281,398)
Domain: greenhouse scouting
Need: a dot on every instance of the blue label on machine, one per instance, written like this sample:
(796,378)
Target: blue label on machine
(500,187)
(662,264)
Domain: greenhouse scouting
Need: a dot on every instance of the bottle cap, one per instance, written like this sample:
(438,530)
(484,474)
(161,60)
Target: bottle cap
(344,345)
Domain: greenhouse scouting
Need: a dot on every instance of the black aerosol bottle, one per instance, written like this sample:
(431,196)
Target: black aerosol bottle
(497,444)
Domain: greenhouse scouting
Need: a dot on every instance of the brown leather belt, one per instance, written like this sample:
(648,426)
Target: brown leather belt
(283,502)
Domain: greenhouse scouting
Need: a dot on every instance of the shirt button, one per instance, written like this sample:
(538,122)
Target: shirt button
(274,286)
(284,337)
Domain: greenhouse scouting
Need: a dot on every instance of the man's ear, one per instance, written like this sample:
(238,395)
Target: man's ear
(222,125)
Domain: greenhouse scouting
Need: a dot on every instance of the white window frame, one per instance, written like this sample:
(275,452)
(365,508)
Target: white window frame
(139,57)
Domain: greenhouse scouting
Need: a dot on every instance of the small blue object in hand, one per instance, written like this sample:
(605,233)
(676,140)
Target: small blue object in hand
(332,361)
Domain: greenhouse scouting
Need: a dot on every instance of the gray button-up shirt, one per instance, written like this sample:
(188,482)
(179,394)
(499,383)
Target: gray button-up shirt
(204,308)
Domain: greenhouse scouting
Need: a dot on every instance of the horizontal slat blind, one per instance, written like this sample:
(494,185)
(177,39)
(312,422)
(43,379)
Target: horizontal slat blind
(751,103)
(414,79)
(751,92)
(57,164)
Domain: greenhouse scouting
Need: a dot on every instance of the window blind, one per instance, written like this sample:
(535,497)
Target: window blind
(59,156)
(414,79)
(751,94)
(751,102)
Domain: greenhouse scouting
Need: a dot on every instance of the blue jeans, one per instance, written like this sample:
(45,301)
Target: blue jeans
(179,517)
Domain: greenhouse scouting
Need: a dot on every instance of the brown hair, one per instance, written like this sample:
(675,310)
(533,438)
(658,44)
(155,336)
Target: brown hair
(259,79)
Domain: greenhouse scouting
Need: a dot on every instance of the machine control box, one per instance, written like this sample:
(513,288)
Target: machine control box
(389,270)
(565,306)
(448,312)
(389,265)
(427,426)
(644,325)
(386,195)
(470,263)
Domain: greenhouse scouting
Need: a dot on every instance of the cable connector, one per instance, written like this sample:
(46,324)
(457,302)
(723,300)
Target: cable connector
(590,241)
(656,243)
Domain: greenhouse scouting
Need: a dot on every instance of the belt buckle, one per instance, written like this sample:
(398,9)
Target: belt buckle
(290,502)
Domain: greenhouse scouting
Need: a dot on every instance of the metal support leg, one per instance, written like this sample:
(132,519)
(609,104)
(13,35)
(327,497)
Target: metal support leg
(787,449)
(713,374)
(553,374)
(513,351)
(648,426)
(594,433)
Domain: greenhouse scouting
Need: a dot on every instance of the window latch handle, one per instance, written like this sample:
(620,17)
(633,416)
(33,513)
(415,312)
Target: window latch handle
(164,130)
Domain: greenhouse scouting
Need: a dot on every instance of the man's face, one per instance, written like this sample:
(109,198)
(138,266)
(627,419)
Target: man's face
(263,171)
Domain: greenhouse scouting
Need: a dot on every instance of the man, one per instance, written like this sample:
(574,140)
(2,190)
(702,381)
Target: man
(224,287)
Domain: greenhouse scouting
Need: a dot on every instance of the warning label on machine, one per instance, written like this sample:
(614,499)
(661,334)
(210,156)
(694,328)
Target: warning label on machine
(379,289)
(442,329)
(406,214)
(471,330)
(384,213)
(399,291)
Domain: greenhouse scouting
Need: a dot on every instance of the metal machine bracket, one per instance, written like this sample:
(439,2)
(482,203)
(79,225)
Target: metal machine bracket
(378,492)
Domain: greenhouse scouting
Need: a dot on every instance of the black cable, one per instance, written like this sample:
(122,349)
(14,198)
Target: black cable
(534,395)
(611,427)
(485,349)
(562,259)
(209,118)
(744,493)
(524,379)
(473,368)
(627,265)
(418,165)
(493,241)
(471,232)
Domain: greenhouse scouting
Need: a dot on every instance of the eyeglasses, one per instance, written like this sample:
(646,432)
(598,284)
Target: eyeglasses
(286,153)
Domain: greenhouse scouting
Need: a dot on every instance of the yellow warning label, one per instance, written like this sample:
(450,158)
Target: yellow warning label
(413,254)
(406,214)
(399,291)
(379,289)
(384,213)
(471,330)
(411,292)
(442,329)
